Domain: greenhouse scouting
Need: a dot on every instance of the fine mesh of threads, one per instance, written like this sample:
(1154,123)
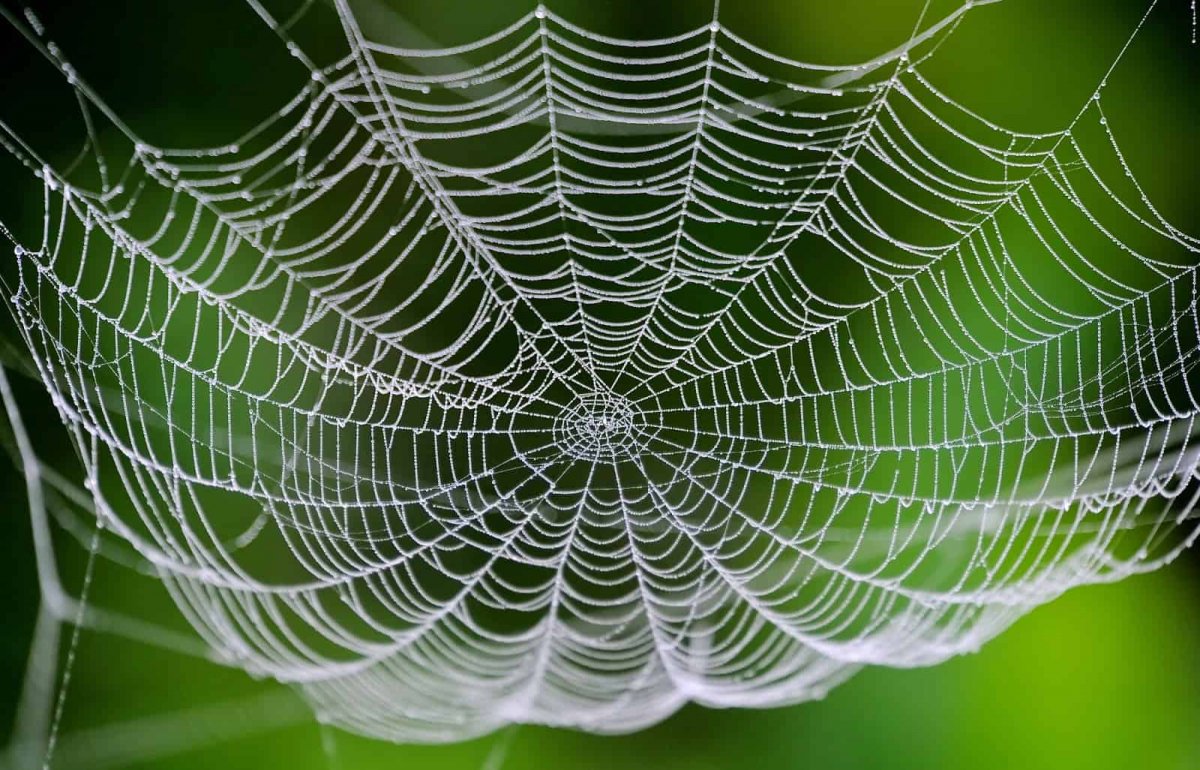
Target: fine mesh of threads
(564,379)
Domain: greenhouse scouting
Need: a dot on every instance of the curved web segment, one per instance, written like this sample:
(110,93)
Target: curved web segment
(559,378)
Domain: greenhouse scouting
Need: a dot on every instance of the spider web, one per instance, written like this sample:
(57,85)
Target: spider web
(561,378)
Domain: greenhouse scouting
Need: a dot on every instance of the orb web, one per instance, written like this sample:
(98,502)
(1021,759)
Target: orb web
(563,378)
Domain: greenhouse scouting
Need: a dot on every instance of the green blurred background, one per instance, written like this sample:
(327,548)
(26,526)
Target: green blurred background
(1105,677)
